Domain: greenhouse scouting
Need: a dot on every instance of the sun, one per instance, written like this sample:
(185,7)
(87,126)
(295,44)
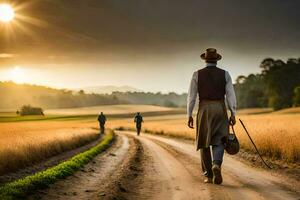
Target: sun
(7,13)
(17,75)
(13,20)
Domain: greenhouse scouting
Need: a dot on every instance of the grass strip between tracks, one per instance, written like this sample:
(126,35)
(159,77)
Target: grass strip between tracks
(20,188)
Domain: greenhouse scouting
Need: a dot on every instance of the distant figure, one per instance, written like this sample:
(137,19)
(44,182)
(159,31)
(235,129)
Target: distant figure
(211,84)
(102,120)
(138,119)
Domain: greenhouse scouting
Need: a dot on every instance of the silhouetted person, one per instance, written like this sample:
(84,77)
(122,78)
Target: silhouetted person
(211,84)
(138,119)
(102,120)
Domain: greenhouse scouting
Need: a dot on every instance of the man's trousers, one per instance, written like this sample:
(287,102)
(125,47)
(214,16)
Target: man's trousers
(207,160)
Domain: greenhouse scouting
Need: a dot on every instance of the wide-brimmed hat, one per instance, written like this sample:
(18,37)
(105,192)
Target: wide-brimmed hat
(211,55)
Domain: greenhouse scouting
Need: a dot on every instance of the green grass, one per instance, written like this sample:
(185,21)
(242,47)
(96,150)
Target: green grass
(15,118)
(19,189)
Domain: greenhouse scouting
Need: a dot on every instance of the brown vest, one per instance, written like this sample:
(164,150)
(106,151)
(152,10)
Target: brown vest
(211,83)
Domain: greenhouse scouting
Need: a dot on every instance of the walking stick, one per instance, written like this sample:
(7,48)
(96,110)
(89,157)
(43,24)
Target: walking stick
(254,145)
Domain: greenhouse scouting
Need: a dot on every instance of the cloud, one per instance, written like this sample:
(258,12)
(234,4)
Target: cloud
(108,31)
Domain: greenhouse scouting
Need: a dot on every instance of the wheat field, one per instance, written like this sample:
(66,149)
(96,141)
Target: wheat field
(25,143)
(107,109)
(276,135)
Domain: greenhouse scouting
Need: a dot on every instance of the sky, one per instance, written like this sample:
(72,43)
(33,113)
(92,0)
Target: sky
(150,45)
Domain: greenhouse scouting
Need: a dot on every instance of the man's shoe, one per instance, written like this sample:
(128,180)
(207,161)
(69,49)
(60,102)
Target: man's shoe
(217,179)
(208,180)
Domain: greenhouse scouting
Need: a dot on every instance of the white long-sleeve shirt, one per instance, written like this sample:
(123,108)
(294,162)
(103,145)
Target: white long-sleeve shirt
(193,92)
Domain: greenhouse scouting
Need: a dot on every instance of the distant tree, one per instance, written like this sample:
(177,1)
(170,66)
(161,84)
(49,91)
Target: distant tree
(292,61)
(29,110)
(281,79)
(274,87)
(250,91)
(296,98)
(266,64)
(81,92)
(169,103)
(240,79)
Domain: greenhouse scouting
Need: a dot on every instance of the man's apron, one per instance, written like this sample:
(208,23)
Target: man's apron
(212,124)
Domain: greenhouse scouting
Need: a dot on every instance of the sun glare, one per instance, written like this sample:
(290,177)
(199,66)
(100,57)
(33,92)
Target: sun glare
(17,75)
(7,13)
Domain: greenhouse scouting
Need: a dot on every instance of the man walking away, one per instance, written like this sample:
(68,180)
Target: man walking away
(211,84)
(101,120)
(138,119)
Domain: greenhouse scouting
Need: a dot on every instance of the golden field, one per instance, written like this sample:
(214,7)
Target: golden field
(30,139)
(276,135)
(108,109)
(25,143)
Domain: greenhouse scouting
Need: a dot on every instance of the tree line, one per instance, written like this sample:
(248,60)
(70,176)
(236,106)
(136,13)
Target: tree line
(14,96)
(277,86)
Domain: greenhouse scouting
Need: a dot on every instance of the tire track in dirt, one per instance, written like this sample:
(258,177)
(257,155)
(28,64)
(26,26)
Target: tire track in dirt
(133,179)
(240,181)
(193,166)
(173,179)
(153,167)
(92,179)
(119,173)
(127,180)
(131,169)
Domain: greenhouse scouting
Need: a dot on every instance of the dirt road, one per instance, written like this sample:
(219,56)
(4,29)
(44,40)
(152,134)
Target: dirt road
(153,167)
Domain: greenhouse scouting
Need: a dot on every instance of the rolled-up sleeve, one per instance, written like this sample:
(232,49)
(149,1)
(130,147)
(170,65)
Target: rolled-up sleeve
(230,94)
(192,94)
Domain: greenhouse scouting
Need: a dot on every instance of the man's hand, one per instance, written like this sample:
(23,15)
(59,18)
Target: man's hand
(232,120)
(191,122)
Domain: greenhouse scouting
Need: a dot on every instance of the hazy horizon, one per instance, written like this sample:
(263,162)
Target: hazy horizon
(153,46)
